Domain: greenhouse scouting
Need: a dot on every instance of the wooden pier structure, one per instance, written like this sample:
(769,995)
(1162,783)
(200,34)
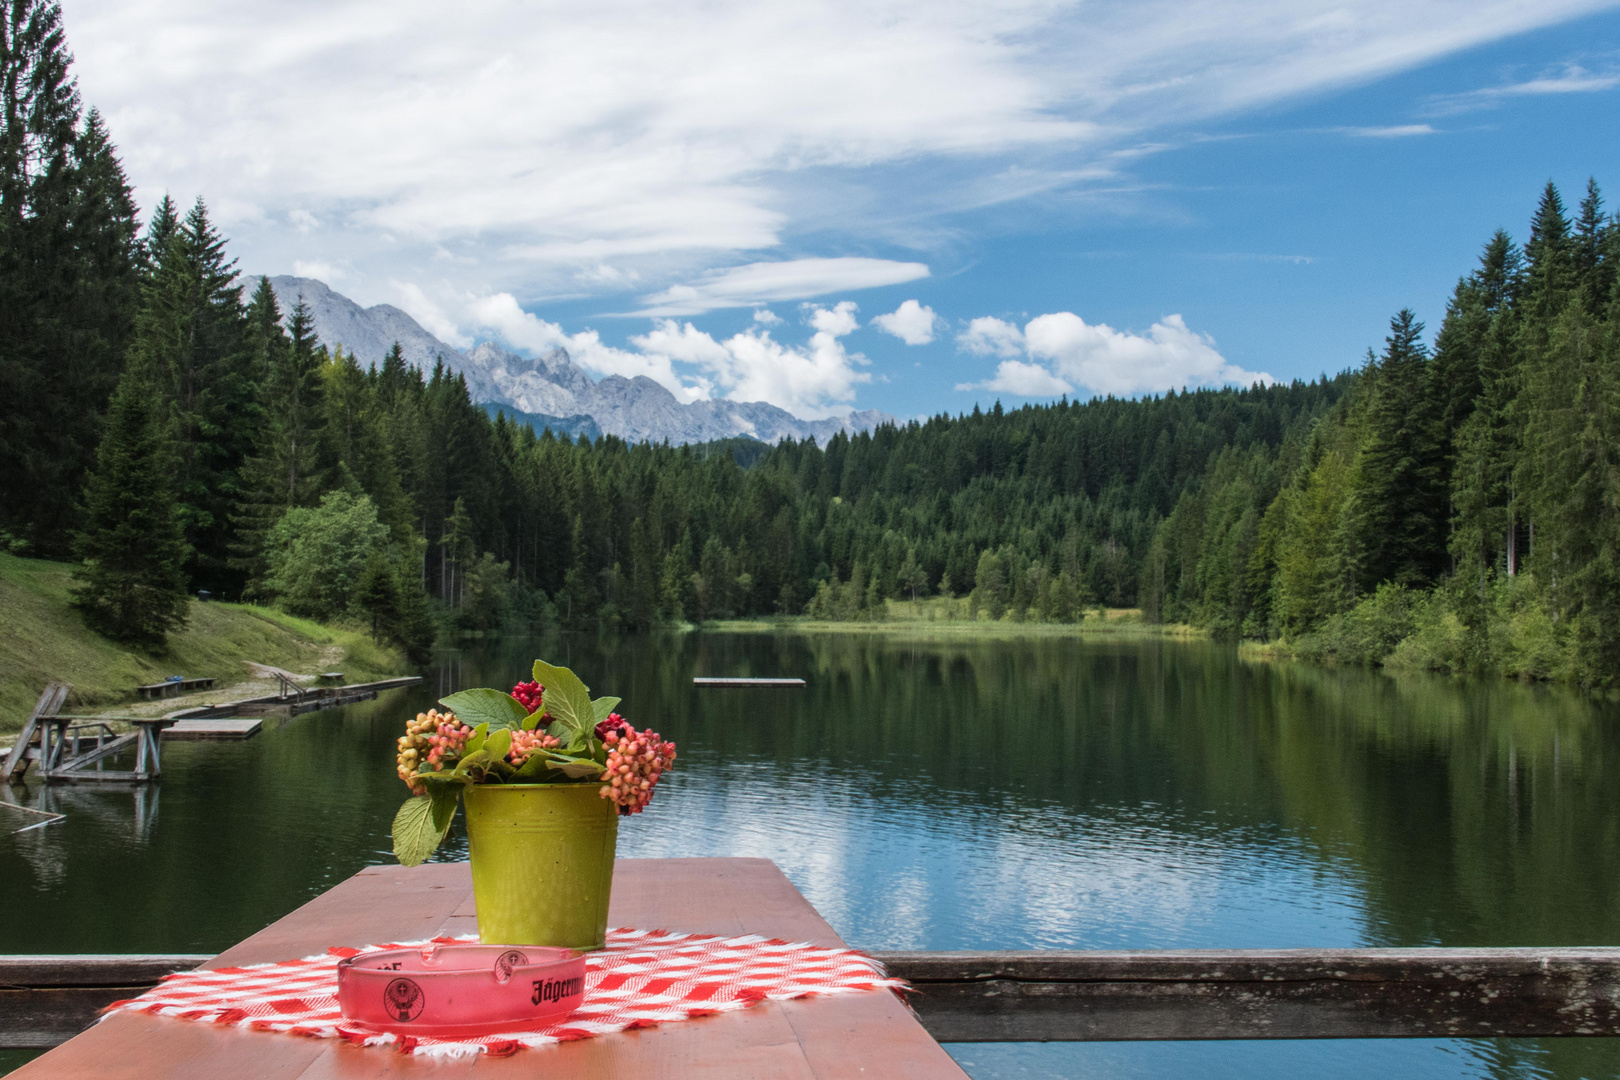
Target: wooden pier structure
(956,997)
(870,1035)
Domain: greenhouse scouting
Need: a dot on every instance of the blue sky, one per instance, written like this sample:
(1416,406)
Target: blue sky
(1126,196)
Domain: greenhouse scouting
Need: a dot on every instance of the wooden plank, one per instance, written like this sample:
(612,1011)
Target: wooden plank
(222,728)
(46,1000)
(705,681)
(1264,994)
(49,704)
(871,1035)
(105,750)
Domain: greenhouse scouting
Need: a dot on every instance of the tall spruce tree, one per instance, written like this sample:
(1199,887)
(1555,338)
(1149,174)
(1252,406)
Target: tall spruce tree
(286,469)
(1398,504)
(67,275)
(190,334)
(132,584)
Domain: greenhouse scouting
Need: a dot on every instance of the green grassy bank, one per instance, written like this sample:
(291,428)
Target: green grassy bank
(43,638)
(937,615)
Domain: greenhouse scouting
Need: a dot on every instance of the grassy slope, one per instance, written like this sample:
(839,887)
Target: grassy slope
(936,615)
(43,638)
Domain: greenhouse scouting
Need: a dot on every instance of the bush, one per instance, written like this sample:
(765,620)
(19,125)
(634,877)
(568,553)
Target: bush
(317,556)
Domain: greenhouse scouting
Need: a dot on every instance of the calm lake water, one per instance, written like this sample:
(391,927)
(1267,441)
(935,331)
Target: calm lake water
(949,793)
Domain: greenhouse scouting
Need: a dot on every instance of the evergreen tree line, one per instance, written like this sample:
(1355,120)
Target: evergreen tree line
(1459,506)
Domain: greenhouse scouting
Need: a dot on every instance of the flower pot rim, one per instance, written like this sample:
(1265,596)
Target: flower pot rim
(564,784)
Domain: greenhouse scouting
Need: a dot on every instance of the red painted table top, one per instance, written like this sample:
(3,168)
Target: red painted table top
(853,1035)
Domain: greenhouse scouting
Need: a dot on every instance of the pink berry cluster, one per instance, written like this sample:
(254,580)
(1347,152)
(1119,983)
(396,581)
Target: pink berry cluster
(432,739)
(635,760)
(525,743)
(529,695)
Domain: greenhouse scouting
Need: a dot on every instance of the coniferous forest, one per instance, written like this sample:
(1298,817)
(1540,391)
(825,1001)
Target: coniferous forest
(1453,503)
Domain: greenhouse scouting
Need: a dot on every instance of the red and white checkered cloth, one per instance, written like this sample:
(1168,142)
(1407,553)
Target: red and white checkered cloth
(642,978)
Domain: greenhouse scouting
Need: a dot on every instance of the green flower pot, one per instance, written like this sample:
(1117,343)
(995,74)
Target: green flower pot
(542,862)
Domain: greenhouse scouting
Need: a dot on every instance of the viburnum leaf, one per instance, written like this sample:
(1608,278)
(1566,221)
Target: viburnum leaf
(416,836)
(533,766)
(475,741)
(575,768)
(568,700)
(602,706)
(445,798)
(499,744)
(486,706)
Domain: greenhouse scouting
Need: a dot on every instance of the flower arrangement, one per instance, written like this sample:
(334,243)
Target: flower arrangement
(548,731)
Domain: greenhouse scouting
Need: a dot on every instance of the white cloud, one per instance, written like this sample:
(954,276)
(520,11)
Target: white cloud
(814,380)
(911,322)
(766,317)
(515,146)
(1025,380)
(1397,131)
(1572,79)
(987,336)
(424,310)
(324,271)
(1065,351)
(302,220)
(792,279)
(502,314)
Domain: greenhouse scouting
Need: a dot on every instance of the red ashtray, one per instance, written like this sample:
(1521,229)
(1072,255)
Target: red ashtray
(461,989)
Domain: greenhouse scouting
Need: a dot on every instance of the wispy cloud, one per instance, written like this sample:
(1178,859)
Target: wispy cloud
(1395,131)
(792,279)
(535,150)
(1571,79)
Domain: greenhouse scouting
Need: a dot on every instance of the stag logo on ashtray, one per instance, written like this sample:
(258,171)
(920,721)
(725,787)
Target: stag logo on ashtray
(505,962)
(403,999)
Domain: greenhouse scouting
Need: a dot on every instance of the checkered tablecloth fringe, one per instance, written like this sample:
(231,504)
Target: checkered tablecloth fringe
(642,978)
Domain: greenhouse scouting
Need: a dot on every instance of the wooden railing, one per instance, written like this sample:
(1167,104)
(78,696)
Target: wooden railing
(1078,996)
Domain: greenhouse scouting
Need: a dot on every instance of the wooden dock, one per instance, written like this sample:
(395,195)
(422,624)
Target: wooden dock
(293,701)
(713,682)
(215,730)
(869,1035)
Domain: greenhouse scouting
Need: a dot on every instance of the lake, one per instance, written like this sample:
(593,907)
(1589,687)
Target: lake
(953,792)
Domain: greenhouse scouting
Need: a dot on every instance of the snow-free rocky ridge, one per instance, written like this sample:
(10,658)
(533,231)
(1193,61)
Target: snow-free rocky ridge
(551,389)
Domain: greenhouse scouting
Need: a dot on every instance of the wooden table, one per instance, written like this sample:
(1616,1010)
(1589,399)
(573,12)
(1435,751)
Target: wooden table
(843,1035)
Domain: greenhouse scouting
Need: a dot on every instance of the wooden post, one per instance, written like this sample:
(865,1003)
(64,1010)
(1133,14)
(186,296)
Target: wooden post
(49,704)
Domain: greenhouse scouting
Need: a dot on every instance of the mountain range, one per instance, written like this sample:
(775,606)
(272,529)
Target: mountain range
(551,390)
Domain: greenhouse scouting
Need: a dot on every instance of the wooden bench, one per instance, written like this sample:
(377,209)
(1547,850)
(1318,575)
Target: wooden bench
(869,1035)
(172,688)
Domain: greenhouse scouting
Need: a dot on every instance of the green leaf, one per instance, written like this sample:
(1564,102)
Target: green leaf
(499,744)
(574,768)
(439,779)
(415,834)
(444,799)
(532,768)
(486,706)
(475,741)
(567,699)
(478,762)
(602,706)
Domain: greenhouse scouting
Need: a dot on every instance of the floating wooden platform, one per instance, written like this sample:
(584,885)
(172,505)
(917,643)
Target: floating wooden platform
(869,1035)
(222,728)
(297,703)
(704,681)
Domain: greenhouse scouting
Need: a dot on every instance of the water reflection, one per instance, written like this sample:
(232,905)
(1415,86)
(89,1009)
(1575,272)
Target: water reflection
(951,793)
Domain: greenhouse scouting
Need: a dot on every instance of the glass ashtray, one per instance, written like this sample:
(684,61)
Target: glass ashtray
(449,990)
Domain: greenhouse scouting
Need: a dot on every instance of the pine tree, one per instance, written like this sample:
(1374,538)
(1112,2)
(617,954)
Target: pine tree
(132,582)
(67,271)
(190,332)
(1593,264)
(1398,502)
